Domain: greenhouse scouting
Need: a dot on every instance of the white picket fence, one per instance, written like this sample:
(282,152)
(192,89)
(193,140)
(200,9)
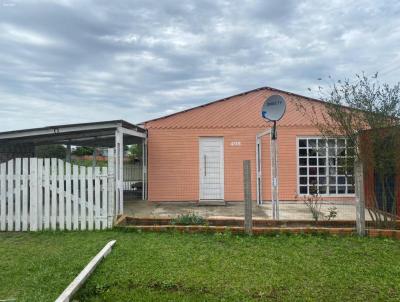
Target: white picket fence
(51,194)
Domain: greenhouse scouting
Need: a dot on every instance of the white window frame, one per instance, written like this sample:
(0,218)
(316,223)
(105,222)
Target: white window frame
(327,194)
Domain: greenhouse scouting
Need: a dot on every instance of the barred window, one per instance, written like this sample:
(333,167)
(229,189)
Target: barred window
(325,166)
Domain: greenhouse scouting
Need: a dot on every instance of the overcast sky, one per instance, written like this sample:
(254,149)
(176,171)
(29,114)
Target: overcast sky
(84,61)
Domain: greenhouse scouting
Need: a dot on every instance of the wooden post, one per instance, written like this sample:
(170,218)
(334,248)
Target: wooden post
(360,198)
(73,287)
(33,202)
(111,188)
(248,219)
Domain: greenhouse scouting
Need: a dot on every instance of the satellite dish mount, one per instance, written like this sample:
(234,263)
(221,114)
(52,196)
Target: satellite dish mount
(272,111)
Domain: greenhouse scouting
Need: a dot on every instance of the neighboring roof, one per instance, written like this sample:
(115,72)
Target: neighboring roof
(96,134)
(241,110)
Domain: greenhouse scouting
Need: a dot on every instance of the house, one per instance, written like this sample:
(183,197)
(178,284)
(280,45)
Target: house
(197,154)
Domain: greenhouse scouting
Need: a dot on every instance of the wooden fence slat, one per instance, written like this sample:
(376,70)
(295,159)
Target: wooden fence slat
(17,194)
(97,197)
(46,176)
(3,196)
(68,221)
(25,185)
(33,218)
(10,195)
(90,198)
(104,205)
(40,193)
(61,190)
(75,213)
(83,197)
(53,216)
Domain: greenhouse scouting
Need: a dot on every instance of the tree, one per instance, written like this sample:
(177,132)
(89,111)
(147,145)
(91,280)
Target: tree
(135,152)
(51,151)
(367,114)
(80,151)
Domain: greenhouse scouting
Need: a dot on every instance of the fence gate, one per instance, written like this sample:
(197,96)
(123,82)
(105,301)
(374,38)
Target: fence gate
(51,194)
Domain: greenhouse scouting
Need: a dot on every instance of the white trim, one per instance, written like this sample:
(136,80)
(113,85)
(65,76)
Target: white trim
(55,130)
(326,167)
(259,183)
(132,132)
(266,132)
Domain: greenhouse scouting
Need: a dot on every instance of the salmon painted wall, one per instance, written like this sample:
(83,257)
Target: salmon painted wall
(173,173)
(173,147)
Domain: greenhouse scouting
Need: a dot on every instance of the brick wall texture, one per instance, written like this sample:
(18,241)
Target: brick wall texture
(173,146)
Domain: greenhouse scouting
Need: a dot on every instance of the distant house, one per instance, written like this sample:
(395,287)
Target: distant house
(197,154)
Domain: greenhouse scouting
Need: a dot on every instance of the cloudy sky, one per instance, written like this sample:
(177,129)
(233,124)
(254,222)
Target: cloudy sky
(83,61)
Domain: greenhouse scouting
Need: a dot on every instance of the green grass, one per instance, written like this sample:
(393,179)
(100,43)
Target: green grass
(200,267)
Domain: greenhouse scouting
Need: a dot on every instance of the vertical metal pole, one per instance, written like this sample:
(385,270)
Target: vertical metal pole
(259,171)
(119,168)
(68,154)
(144,169)
(360,198)
(94,157)
(274,175)
(248,220)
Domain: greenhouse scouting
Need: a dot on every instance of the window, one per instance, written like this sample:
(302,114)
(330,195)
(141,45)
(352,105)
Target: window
(325,166)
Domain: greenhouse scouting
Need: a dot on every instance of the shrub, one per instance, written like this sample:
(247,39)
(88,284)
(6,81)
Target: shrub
(332,213)
(81,151)
(51,151)
(188,219)
(312,201)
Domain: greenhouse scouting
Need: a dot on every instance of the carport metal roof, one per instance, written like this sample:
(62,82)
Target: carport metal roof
(98,134)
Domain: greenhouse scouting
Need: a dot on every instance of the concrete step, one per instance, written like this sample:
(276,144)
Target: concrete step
(236,222)
(209,202)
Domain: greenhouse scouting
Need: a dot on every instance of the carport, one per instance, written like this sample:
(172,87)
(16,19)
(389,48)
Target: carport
(107,134)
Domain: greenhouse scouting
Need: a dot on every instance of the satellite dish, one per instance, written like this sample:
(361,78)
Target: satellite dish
(274,108)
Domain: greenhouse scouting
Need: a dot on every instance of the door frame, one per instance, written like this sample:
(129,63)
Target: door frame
(222,167)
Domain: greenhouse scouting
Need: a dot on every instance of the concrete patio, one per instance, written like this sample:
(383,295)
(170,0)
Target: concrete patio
(288,210)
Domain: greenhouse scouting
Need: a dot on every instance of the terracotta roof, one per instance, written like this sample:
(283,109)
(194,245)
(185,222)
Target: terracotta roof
(241,110)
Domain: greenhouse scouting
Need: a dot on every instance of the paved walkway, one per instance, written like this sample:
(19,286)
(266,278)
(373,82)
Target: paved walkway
(288,210)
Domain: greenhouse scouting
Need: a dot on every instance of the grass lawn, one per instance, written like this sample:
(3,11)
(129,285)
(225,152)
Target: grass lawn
(200,267)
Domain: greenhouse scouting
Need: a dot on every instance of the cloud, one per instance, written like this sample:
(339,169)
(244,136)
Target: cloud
(80,61)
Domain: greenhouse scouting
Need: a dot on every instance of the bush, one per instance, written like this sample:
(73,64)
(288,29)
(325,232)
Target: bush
(188,219)
(51,151)
(80,151)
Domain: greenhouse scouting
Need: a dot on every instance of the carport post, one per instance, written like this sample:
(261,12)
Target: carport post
(119,169)
(68,154)
(94,157)
(144,169)
(111,187)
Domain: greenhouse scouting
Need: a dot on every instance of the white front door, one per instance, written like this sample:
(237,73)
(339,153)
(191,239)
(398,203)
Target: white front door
(211,168)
